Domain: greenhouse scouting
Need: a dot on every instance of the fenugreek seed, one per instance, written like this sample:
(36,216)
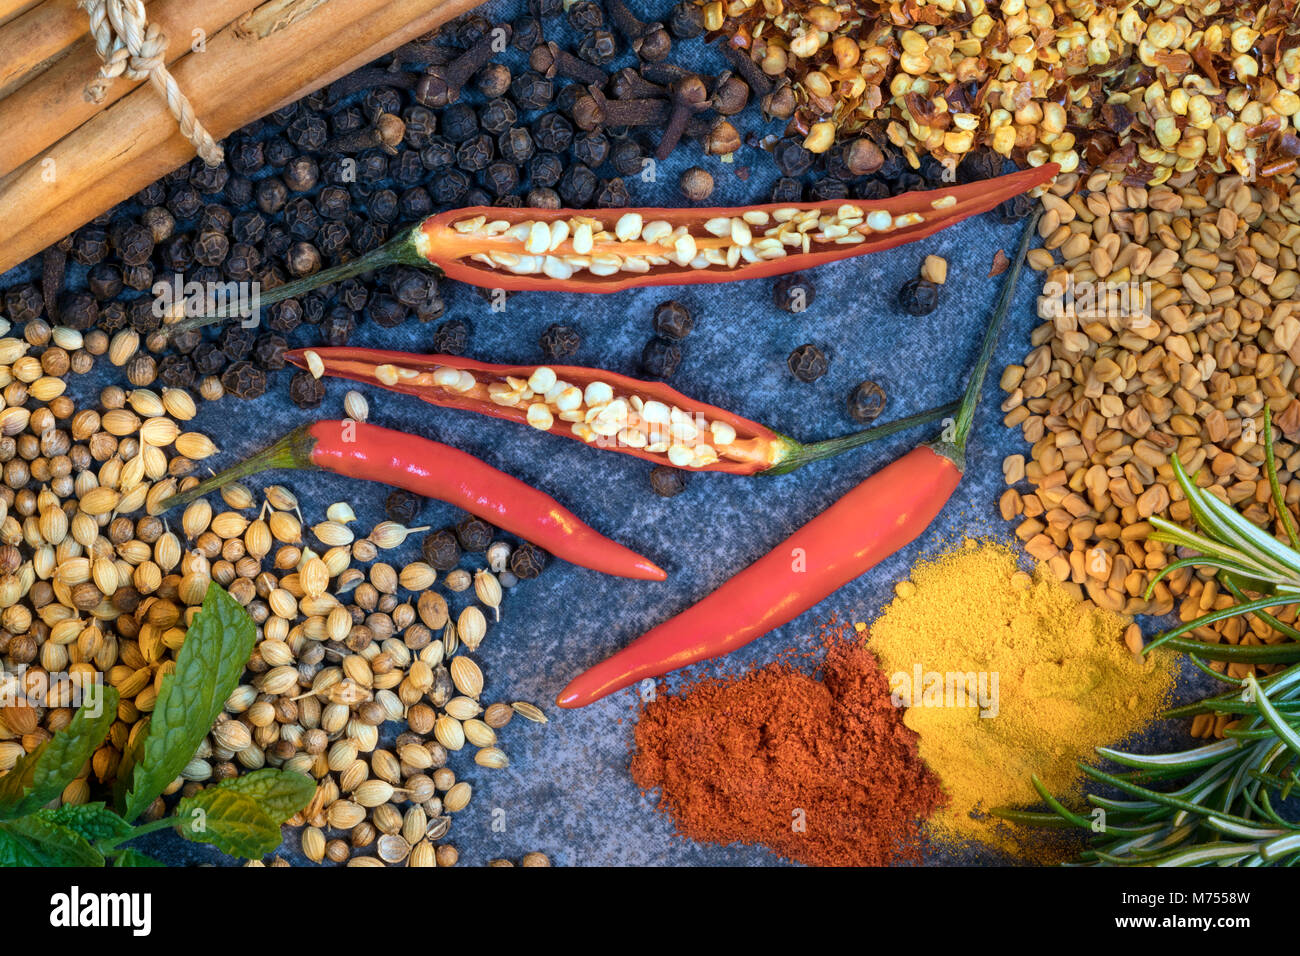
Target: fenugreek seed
(463,708)
(466,676)
(471,627)
(237,496)
(355,406)
(344,814)
(488,590)
(159,432)
(196,518)
(257,539)
(285,528)
(458,580)
(120,422)
(417,576)
(122,346)
(313,844)
(497,715)
(229,524)
(478,733)
(99,501)
(529,711)
(492,757)
(433,610)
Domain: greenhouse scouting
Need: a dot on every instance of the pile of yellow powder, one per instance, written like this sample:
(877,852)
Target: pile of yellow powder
(1065,682)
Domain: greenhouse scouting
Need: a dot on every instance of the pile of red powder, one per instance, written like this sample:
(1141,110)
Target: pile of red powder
(818,768)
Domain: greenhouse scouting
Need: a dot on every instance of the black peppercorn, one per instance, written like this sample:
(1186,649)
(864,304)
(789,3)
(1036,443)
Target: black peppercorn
(545,170)
(152,195)
(793,293)
(208,179)
(873,189)
(661,357)
(244,380)
(474,534)
(530,91)
(308,131)
(567,98)
(184,202)
(246,157)
(586,15)
(386,312)
(353,295)
(577,186)
(559,341)
(176,371)
(667,482)
(284,115)
(337,326)
(210,248)
(242,262)
(866,402)
(407,168)
(415,203)
(185,342)
(305,390)
(302,259)
(284,317)
(449,187)
(208,359)
(791,158)
(493,80)
(248,227)
(112,317)
(270,195)
(237,341)
(333,238)
(527,561)
(89,246)
(629,157)
(613,194)
(502,178)
(807,363)
(542,197)
(598,48)
(139,277)
(673,320)
(1014,209)
(78,310)
(475,153)
(142,317)
(403,507)
(177,254)
(827,188)
(696,184)
(515,145)
(104,281)
(787,189)
(215,218)
(382,206)
(277,241)
(301,174)
(278,151)
(372,166)
(439,154)
(918,296)
(268,352)
(452,337)
(441,550)
(160,223)
(553,133)
(526,33)
(591,149)
(459,122)
(333,202)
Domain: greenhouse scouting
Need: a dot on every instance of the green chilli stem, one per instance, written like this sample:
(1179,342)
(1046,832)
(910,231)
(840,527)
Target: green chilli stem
(816,451)
(293,452)
(1270,465)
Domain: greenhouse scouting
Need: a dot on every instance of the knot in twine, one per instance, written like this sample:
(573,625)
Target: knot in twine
(133,47)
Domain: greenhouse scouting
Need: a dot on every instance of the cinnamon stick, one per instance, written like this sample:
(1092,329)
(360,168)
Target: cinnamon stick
(36,39)
(41,112)
(10,9)
(124,148)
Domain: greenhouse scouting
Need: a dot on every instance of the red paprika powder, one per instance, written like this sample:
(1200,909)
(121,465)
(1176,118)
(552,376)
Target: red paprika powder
(817,767)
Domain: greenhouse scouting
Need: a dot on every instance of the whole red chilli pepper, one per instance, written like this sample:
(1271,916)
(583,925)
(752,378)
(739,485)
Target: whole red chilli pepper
(714,438)
(435,470)
(605,250)
(884,513)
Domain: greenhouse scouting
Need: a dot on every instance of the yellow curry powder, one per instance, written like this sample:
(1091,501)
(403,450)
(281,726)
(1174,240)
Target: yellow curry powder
(972,635)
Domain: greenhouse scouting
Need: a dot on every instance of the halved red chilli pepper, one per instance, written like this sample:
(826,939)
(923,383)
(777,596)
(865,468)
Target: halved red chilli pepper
(649,420)
(884,513)
(572,250)
(435,470)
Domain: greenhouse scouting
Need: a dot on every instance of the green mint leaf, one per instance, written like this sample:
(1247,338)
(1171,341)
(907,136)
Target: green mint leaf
(41,776)
(208,669)
(94,821)
(126,766)
(280,793)
(130,857)
(231,821)
(32,841)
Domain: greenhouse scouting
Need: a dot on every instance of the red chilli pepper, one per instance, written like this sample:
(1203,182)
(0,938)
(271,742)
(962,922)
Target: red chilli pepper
(435,470)
(573,250)
(627,418)
(881,515)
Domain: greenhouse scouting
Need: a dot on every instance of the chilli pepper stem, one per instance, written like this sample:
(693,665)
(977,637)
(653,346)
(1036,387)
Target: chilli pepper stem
(398,251)
(292,452)
(816,451)
(954,448)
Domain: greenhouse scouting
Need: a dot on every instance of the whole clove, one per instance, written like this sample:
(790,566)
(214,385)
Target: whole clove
(750,71)
(630,84)
(650,41)
(688,97)
(550,60)
(594,111)
(730,94)
(443,83)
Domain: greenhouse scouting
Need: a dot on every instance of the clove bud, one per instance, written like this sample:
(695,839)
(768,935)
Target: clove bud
(443,84)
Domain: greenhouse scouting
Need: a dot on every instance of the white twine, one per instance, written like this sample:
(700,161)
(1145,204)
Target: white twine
(133,47)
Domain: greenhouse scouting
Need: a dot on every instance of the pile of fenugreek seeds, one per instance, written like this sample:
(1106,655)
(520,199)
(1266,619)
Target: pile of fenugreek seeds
(94,583)
(1147,89)
(1194,328)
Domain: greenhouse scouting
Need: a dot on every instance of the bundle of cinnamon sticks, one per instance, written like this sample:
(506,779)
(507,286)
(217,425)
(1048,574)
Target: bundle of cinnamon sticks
(65,159)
